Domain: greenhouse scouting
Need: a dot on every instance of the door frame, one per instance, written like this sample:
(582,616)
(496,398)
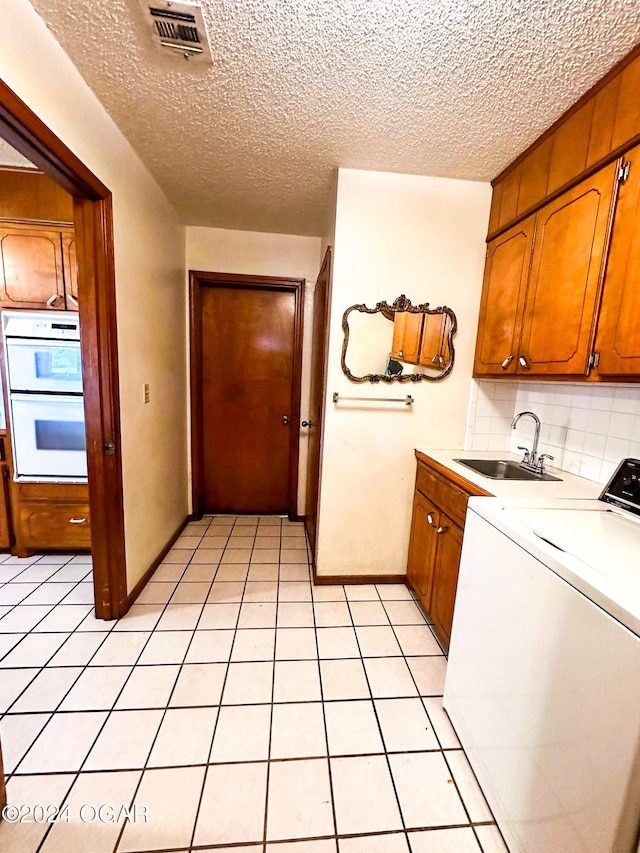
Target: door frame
(319,359)
(93,223)
(197,280)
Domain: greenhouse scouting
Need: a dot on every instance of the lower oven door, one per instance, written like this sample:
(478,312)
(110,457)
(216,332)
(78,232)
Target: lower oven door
(49,440)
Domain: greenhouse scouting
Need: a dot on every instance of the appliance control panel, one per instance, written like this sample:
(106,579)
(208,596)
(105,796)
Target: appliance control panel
(52,325)
(623,489)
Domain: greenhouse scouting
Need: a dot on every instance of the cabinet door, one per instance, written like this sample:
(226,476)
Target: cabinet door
(434,350)
(618,340)
(422,547)
(445,576)
(407,333)
(70,269)
(31,274)
(5,535)
(571,237)
(502,305)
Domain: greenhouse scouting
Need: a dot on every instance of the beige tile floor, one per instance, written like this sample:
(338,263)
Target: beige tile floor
(244,709)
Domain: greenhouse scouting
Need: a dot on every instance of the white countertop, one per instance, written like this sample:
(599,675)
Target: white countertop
(569,486)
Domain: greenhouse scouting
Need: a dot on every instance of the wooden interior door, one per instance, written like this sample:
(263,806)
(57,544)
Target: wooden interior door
(249,403)
(319,342)
(618,340)
(502,304)
(566,269)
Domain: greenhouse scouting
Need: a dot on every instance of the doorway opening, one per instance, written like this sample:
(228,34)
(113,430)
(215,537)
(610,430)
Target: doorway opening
(246,366)
(92,217)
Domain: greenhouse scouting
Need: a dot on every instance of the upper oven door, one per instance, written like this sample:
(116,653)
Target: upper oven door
(37,365)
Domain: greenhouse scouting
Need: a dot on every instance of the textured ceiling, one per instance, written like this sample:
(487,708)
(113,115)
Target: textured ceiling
(10,157)
(453,88)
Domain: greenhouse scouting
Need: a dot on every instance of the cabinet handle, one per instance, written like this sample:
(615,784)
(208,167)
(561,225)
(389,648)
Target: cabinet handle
(285,419)
(77,520)
(441,529)
(506,362)
(524,363)
(430,520)
(53,299)
(400,353)
(72,300)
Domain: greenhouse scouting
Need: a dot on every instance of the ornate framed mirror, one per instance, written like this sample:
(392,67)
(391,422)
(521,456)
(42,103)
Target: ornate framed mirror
(398,343)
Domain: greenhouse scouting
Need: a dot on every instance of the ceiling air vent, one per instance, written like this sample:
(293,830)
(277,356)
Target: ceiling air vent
(177,27)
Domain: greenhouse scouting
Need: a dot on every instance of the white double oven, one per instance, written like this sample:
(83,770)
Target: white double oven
(44,381)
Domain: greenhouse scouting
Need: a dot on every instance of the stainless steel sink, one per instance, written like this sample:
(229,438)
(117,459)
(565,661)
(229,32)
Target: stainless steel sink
(503,469)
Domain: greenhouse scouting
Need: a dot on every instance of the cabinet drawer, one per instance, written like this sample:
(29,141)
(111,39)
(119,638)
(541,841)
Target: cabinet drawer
(449,498)
(58,526)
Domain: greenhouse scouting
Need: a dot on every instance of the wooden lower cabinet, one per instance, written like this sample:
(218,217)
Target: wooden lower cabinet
(50,517)
(5,526)
(435,546)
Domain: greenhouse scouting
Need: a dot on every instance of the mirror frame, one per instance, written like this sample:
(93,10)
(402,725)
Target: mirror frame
(402,304)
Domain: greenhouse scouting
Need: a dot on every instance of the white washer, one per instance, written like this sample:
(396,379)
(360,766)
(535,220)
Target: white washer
(543,679)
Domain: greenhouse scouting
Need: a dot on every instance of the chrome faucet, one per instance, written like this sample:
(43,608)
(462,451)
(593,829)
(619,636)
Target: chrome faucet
(531,459)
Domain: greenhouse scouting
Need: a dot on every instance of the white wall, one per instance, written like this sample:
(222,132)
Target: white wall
(257,253)
(394,234)
(587,427)
(149,259)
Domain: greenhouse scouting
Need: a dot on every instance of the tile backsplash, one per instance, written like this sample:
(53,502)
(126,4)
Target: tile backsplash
(588,428)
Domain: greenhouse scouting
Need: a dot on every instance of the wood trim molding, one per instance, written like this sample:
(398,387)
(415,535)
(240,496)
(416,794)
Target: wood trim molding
(22,128)
(198,279)
(135,592)
(325,580)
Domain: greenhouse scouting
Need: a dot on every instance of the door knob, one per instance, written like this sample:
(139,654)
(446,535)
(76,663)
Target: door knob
(306,423)
(285,419)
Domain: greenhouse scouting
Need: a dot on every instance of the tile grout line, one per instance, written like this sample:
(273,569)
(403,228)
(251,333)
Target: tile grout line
(222,689)
(375,711)
(273,687)
(324,717)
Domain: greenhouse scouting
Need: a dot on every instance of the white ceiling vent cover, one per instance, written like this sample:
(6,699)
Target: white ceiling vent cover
(177,27)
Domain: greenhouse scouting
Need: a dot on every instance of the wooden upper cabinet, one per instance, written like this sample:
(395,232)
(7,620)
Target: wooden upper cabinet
(534,175)
(564,283)
(407,335)
(502,305)
(29,195)
(618,339)
(626,124)
(604,112)
(38,267)
(31,274)
(434,349)
(509,197)
(70,269)
(494,215)
(570,143)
